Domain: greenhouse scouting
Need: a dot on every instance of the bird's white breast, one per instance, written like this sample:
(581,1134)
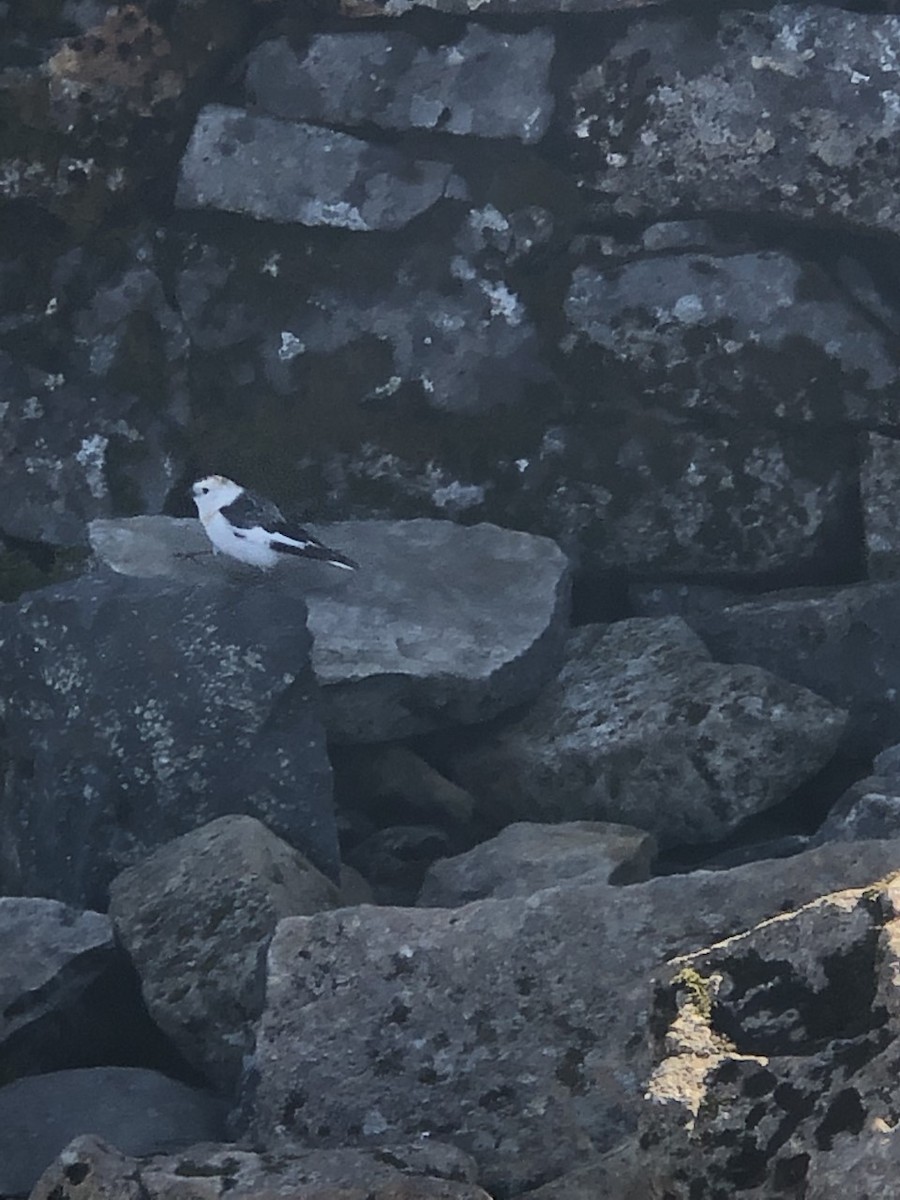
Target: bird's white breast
(253,549)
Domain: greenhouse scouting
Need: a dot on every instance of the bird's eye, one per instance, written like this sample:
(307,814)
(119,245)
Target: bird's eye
(204,490)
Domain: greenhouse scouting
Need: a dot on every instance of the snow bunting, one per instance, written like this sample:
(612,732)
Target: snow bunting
(252,529)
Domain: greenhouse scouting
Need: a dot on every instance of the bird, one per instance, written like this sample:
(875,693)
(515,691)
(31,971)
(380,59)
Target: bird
(252,529)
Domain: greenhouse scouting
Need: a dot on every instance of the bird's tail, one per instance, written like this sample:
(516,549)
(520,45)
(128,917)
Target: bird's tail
(321,553)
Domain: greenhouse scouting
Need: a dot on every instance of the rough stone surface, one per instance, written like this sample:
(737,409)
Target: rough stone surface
(137,709)
(524,857)
(53,956)
(642,727)
(140,1112)
(68,455)
(786,111)
(487,84)
(481,8)
(196,916)
(423,636)
(286,171)
(90,1170)
(758,337)
(489,1023)
(777,1048)
(841,642)
(879,475)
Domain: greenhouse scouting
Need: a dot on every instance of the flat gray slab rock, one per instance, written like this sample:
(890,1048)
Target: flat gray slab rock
(139,1111)
(442,624)
(642,727)
(525,857)
(290,172)
(515,1027)
(487,84)
(214,897)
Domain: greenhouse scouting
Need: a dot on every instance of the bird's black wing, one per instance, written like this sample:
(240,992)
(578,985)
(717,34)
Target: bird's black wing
(310,547)
(249,510)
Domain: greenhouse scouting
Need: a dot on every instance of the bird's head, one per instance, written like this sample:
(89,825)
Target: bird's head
(212,493)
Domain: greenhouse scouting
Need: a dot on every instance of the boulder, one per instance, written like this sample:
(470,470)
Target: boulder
(642,727)
(879,476)
(312,176)
(783,112)
(441,625)
(139,1111)
(90,1170)
(778,1050)
(512,1026)
(137,709)
(196,917)
(487,83)
(525,857)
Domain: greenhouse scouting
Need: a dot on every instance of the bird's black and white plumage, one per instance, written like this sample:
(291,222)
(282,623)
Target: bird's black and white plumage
(252,529)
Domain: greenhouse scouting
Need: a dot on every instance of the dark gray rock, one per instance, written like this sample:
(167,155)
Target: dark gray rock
(286,171)
(394,860)
(140,1112)
(69,454)
(513,1026)
(642,727)
(879,485)
(843,643)
(196,916)
(776,1050)
(869,809)
(487,83)
(787,112)
(420,1171)
(54,955)
(137,709)
(758,337)
(423,636)
(525,857)
(481,8)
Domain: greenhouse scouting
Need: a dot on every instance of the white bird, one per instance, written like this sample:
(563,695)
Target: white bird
(252,529)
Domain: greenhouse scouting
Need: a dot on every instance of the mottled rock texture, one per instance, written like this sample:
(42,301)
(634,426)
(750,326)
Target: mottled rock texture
(440,625)
(196,916)
(286,171)
(511,1026)
(641,726)
(88,1169)
(137,709)
(788,111)
(779,1047)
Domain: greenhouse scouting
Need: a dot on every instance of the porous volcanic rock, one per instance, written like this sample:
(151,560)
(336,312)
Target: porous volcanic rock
(137,709)
(441,624)
(779,1047)
(641,726)
(512,1026)
(196,916)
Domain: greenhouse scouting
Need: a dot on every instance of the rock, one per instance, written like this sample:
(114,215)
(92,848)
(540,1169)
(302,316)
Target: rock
(620,1174)
(137,709)
(642,727)
(840,642)
(869,809)
(68,455)
(141,1112)
(89,1170)
(392,777)
(196,917)
(423,636)
(523,858)
(879,475)
(487,1023)
(481,8)
(758,337)
(312,176)
(783,112)
(487,83)
(777,1048)
(54,956)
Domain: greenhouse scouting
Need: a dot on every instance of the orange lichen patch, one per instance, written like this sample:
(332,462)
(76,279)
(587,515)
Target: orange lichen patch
(126,61)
